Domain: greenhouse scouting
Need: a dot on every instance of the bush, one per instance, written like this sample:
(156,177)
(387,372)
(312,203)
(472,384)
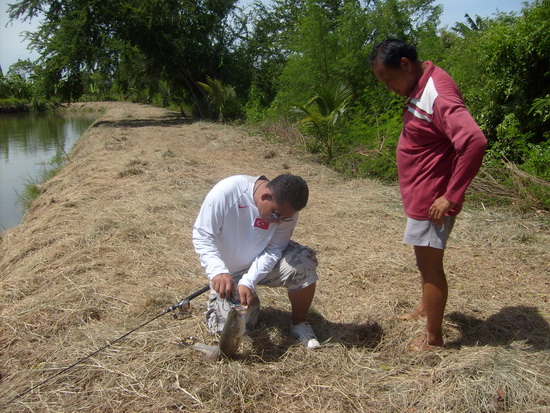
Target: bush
(39,105)
(379,165)
(537,159)
(14,105)
(366,143)
(507,185)
(511,143)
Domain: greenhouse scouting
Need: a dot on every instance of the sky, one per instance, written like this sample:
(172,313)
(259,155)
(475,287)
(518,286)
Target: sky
(13,46)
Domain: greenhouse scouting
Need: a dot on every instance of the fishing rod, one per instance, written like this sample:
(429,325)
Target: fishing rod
(181,304)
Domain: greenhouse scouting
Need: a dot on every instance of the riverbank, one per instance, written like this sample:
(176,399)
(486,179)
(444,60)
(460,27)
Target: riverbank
(107,246)
(15,106)
(34,146)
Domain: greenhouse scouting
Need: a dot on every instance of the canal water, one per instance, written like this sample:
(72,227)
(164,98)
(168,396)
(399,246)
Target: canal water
(28,144)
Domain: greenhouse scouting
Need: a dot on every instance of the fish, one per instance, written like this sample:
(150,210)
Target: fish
(233,331)
(231,337)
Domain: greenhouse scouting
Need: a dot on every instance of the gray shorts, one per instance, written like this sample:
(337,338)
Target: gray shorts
(424,233)
(296,269)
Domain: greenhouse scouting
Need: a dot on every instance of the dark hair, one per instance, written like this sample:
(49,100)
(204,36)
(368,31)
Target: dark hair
(291,189)
(390,51)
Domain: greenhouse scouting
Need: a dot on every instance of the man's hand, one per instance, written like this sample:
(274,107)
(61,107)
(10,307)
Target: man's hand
(245,295)
(223,285)
(438,210)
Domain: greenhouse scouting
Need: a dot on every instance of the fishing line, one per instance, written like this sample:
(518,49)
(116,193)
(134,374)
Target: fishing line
(172,308)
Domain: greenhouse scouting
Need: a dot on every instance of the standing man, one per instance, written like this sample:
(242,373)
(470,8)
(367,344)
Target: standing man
(439,152)
(242,235)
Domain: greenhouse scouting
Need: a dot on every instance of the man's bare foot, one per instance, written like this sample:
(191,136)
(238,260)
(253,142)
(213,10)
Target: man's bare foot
(422,343)
(413,315)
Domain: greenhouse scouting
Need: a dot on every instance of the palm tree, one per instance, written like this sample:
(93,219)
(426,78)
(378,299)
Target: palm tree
(471,25)
(323,111)
(219,95)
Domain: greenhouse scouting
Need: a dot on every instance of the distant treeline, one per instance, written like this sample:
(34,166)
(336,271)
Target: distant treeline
(302,63)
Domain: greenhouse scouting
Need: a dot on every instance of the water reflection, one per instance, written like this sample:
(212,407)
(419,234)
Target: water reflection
(28,142)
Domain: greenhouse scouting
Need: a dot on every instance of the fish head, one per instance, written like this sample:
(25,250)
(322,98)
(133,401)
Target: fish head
(240,310)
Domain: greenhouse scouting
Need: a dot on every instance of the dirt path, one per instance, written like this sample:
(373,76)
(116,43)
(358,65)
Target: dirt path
(107,246)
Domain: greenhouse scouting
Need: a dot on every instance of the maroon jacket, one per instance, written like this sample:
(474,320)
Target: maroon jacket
(441,147)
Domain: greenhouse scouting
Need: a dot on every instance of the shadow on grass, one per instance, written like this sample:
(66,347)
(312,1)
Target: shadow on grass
(510,324)
(169,120)
(275,322)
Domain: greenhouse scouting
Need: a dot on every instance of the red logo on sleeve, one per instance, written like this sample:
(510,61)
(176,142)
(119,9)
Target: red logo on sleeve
(260,223)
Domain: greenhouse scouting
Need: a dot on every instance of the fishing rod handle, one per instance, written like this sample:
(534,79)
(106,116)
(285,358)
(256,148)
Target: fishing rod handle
(188,298)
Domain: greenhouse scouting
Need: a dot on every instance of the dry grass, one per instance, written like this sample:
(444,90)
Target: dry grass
(107,246)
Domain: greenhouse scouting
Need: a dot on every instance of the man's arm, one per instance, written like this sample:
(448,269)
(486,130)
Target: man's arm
(266,261)
(205,240)
(468,141)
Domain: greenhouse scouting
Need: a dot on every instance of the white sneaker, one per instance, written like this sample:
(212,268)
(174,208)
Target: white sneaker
(305,334)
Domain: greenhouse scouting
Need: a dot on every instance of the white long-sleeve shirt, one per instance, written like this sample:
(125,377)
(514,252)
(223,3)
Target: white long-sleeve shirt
(230,236)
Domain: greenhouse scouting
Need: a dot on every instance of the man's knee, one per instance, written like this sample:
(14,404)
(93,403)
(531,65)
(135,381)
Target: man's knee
(300,257)
(299,267)
(429,260)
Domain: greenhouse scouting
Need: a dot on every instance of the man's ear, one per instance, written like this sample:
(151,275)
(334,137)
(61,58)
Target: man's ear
(266,196)
(406,64)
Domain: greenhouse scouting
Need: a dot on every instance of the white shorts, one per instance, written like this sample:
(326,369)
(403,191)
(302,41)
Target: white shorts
(424,233)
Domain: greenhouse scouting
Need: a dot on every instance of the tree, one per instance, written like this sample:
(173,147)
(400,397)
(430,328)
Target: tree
(267,47)
(220,96)
(180,40)
(333,39)
(322,113)
(502,69)
(17,83)
(479,24)
(312,49)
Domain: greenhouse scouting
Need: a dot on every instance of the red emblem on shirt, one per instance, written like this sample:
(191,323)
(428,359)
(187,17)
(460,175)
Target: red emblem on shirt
(260,223)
